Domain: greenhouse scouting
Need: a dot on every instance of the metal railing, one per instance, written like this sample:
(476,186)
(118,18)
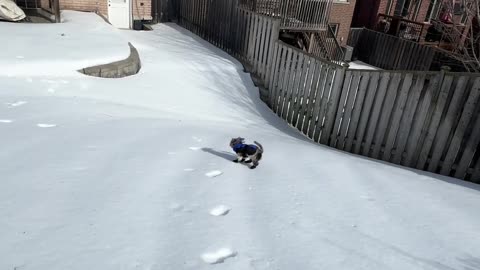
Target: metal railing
(399,27)
(293,14)
(324,44)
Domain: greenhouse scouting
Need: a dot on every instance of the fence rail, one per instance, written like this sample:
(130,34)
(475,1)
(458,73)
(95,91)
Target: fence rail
(424,120)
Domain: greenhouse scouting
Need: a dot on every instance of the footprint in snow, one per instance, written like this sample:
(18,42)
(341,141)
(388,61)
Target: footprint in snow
(18,103)
(197,139)
(218,256)
(6,121)
(46,125)
(220,210)
(213,173)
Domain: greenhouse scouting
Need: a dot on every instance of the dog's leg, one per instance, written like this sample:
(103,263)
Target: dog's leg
(239,158)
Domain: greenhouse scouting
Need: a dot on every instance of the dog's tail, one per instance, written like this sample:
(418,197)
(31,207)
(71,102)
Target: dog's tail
(260,147)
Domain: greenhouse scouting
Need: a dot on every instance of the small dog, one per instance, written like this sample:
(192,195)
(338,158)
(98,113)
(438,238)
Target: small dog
(248,153)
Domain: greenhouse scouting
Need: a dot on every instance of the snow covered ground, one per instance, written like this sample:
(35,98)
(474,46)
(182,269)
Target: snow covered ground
(361,65)
(59,49)
(135,173)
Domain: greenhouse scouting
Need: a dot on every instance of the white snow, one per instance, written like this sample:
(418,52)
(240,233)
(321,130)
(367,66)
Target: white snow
(214,173)
(57,49)
(6,121)
(18,103)
(96,191)
(46,125)
(220,210)
(218,256)
(361,65)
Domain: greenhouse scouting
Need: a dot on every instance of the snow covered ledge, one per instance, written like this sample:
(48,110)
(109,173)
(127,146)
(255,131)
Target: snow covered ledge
(119,69)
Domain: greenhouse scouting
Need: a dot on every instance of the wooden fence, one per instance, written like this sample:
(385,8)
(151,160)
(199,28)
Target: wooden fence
(394,53)
(242,33)
(424,120)
(390,52)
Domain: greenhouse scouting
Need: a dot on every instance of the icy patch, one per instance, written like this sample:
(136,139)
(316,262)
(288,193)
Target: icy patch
(193,148)
(189,170)
(219,256)
(220,210)
(18,103)
(6,121)
(46,125)
(213,173)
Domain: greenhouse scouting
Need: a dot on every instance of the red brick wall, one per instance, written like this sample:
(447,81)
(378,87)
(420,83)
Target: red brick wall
(99,6)
(142,9)
(342,13)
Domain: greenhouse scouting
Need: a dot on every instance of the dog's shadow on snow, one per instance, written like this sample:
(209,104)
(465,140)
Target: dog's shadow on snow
(225,155)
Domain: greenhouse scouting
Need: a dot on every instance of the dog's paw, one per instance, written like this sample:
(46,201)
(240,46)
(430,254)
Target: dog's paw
(235,160)
(248,161)
(252,167)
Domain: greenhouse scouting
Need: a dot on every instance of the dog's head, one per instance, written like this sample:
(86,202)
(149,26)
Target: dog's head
(236,141)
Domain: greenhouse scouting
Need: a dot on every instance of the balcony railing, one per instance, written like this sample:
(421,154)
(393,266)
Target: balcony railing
(400,27)
(311,15)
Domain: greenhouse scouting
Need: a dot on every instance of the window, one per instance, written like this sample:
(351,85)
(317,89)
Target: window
(433,9)
(334,27)
(416,10)
(389,7)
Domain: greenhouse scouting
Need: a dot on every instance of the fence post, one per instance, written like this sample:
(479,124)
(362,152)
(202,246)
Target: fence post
(56,9)
(270,57)
(333,103)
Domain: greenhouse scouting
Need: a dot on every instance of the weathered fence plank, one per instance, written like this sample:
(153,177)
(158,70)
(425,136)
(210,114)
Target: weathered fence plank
(309,121)
(467,114)
(330,72)
(357,108)
(406,122)
(388,105)
(416,137)
(366,111)
(450,119)
(332,104)
(301,89)
(295,90)
(469,152)
(397,116)
(376,110)
(435,121)
(303,121)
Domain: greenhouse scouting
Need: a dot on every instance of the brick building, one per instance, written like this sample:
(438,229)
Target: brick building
(341,18)
(421,11)
(139,9)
